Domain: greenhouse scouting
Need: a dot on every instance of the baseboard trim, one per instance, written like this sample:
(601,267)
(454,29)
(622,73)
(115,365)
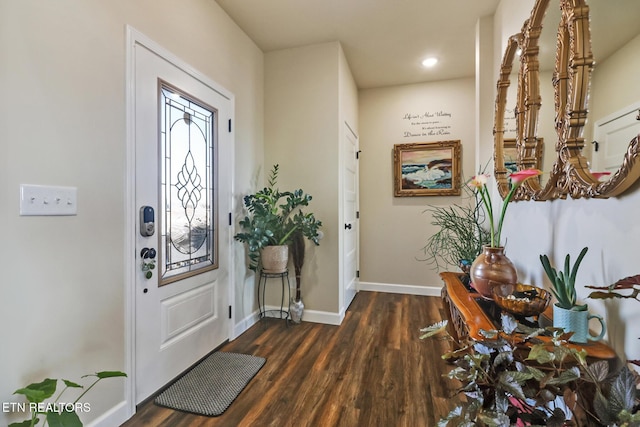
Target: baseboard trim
(433,291)
(115,416)
(244,324)
(331,318)
(325,317)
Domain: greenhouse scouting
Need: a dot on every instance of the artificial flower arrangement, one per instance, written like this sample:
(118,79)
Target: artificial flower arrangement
(479,182)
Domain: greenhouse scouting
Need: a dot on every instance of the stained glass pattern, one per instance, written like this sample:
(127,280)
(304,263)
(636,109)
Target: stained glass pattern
(187,185)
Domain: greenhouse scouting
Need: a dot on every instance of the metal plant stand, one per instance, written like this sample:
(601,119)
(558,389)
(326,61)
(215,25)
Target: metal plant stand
(262,283)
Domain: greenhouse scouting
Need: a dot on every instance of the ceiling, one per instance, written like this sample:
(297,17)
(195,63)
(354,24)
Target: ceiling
(612,25)
(384,41)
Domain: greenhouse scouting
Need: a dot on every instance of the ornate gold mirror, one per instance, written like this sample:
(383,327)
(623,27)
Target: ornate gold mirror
(506,119)
(611,28)
(565,160)
(534,105)
(541,90)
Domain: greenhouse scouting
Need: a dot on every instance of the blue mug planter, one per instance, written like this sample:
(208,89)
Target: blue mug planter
(577,321)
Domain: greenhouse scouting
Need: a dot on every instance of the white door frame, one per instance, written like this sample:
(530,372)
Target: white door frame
(134,38)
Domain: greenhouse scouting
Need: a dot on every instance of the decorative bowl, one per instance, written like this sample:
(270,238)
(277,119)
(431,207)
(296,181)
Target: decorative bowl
(525,300)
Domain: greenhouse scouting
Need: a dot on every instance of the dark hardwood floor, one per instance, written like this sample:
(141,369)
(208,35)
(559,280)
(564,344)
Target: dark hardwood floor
(372,370)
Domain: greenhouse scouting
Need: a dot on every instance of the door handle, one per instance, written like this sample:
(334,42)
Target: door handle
(146,253)
(148,256)
(347,226)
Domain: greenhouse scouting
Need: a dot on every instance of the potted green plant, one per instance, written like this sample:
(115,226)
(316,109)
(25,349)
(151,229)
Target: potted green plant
(273,217)
(563,283)
(460,236)
(567,313)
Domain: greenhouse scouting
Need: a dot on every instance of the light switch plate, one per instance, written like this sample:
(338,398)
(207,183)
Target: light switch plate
(48,200)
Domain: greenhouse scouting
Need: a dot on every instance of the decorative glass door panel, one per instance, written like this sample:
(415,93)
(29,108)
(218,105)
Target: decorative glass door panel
(188,196)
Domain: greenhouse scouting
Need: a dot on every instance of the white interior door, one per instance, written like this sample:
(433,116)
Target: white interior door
(350,214)
(183,172)
(613,136)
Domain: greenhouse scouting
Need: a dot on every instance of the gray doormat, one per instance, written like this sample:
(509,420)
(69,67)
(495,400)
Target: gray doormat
(210,387)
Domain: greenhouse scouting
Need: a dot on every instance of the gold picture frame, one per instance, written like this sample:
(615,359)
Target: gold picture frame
(427,169)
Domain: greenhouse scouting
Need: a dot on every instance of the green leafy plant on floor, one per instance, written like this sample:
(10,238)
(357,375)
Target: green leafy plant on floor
(56,413)
(547,383)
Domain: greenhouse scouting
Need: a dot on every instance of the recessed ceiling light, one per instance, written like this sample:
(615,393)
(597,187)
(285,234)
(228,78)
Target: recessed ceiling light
(430,62)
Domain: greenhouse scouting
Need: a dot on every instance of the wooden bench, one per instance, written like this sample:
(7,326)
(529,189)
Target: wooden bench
(469,313)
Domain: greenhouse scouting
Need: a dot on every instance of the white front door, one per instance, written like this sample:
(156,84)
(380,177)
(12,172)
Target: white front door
(350,217)
(183,156)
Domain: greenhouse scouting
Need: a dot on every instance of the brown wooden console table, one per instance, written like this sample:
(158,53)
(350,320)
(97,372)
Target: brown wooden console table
(469,313)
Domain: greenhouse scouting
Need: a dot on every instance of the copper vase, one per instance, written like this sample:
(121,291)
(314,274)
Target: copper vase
(493,272)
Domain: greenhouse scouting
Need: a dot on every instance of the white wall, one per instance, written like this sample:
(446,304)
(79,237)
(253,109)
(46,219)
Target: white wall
(301,128)
(608,227)
(394,229)
(309,92)
(62,296)
(347,93)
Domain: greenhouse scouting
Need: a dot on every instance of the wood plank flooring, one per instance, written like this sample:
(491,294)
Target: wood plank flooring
(372,370)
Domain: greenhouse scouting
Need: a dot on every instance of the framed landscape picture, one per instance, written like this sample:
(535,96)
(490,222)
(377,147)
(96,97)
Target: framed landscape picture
(427,169)
(510,152)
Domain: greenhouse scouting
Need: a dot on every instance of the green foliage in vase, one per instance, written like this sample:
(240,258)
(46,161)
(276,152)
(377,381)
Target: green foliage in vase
(273,218)
(460,234)
(547,383)
(563,283)
(56,413)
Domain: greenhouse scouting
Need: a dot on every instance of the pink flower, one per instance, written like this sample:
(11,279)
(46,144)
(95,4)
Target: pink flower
(479,181)
(598,175)
(520,176)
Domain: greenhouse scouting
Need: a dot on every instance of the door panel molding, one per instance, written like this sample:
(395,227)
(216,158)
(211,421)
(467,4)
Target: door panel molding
(184,313)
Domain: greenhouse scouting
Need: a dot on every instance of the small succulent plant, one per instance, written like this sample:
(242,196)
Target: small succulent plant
(563,283)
